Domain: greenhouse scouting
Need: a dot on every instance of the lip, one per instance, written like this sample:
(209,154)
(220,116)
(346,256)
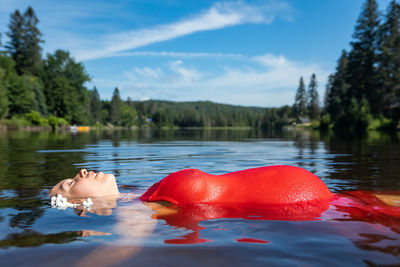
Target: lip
(98,174)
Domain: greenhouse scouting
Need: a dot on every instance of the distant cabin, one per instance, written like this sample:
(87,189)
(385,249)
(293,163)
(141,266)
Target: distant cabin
(303,121)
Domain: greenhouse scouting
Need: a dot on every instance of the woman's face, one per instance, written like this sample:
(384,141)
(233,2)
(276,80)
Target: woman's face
(87,184)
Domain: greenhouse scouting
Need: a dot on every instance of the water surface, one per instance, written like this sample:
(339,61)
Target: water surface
(32,233)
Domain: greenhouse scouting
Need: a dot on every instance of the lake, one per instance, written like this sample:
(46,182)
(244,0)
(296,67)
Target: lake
(126,233)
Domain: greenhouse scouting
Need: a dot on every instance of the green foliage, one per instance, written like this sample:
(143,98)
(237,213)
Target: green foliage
(24,44)
(128,115)
(15,46)
(95,105)
(366,84)
(6,72)
(313,99)
(300,103)
(315,125)
(361,73)
(55,87)
(356,118)
(21,98)
(115,108)
(64,89)
(380,123)
(35,85)
(208,114)
(35,119)
(55,122)
(3,94)
(105,116)
(364,115)
(32,42)
(336,91)
(18,121)
(325,122)
(276,118)
(3,102)
(159,118)
(389,62)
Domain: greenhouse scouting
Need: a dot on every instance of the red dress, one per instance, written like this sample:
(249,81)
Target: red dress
(265,193)
(264,185)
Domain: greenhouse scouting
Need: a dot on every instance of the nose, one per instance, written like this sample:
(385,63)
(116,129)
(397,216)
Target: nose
(83,172)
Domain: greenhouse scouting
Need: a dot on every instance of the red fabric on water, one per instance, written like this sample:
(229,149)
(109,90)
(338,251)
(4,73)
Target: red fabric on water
(274,185)
(266,193)
(252,240)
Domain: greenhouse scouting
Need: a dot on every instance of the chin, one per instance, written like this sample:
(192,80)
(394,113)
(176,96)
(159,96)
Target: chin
(109,176)
(112,182)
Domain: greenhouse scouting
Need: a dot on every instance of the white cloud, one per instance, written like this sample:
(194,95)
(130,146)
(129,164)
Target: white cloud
(182,75)
(278,72)
(265,80)
(176,54)
(219,16)
(274,84)
(271,60)
(147,72)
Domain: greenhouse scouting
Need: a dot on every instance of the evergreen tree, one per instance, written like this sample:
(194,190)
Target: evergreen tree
(300,104)
(24,44)
(15,45)
(361,71)
(115,108)
(328,91)
(3,100)
(105,112)
(32,42)
(313,103)
(336,99)
(35,85)
(3,90)
(357,116)
(95,105)
(7,73)
(389,62)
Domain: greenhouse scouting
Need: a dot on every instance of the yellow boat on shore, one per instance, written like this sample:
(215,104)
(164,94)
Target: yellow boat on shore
(75,129)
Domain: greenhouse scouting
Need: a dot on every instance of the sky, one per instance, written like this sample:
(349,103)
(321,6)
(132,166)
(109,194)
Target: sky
(249,53)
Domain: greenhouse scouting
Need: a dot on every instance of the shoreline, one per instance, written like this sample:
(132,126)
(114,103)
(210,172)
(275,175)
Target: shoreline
(37,128)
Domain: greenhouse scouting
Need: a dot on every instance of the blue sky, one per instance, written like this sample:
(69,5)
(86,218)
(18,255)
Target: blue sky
(249,53)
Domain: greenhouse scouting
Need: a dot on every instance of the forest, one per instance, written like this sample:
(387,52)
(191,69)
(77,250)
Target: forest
(363,92)
(51,91)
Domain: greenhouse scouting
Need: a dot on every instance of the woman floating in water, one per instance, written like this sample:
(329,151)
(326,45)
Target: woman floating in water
(188,197)
(264,189)
(274,192)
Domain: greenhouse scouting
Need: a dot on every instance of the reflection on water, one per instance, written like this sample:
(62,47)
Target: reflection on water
(32,239)
(30,163)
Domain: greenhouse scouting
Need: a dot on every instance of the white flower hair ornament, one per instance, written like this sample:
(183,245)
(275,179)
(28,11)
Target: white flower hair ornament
(61,203)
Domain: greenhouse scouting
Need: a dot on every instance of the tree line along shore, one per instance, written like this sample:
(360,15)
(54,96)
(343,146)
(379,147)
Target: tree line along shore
(363,92)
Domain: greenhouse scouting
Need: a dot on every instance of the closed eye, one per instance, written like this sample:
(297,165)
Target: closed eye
(67,184)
